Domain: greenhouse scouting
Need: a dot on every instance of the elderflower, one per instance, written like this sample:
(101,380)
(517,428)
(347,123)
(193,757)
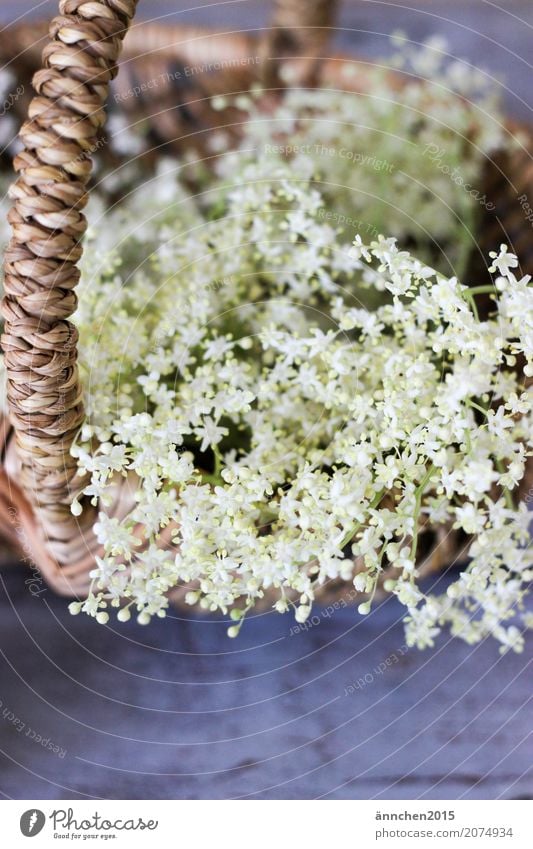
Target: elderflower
(404,158)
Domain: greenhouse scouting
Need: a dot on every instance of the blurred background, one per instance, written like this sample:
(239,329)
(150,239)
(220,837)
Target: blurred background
(341,709)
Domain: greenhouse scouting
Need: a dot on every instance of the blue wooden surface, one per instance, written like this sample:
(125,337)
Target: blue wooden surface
(179,711)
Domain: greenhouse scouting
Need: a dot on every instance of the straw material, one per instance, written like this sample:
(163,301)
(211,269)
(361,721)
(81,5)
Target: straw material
(39,343)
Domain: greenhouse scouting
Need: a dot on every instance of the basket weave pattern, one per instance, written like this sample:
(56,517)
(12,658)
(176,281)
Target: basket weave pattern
(38,478)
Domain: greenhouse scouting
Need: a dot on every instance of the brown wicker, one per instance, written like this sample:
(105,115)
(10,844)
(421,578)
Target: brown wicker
(65,117)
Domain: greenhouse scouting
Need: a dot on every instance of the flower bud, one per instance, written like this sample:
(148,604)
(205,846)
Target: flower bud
(76,508)
(302,613)
(144,618)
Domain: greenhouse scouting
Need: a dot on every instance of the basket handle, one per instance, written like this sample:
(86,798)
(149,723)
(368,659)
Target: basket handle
(40,265)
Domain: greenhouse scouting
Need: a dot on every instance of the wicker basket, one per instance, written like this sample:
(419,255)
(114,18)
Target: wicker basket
(65,119)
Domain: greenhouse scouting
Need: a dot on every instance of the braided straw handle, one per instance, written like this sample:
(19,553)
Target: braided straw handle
(39,343)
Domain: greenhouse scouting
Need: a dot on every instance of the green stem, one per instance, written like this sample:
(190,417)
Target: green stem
(470,293)
(506,491)
(218,461)
(472,304)
(418,505)
(480,290)
(499,463)
(352,532)
(240,621)
(478,407)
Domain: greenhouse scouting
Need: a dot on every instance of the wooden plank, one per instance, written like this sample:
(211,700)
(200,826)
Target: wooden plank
(177,710)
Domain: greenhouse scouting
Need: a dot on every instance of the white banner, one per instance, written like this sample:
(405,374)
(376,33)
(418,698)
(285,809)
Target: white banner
(228,824)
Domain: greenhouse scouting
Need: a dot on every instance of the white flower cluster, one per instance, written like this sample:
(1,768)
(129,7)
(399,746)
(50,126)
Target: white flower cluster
(276,430)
